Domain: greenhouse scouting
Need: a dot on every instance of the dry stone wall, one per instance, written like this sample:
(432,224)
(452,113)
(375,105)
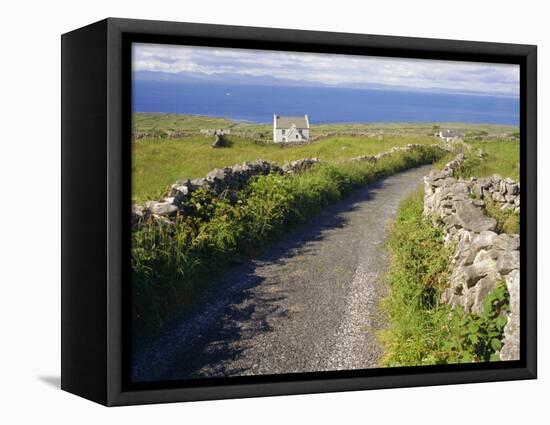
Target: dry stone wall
(219,181)
(228,180)
(482,257)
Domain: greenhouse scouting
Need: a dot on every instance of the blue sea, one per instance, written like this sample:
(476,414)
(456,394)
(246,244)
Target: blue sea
(322,104)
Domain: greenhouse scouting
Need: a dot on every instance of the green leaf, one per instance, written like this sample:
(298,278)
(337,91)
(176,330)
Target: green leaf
(501,321)
(494,358)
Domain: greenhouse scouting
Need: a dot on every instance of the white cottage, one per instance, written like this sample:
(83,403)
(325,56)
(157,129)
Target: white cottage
(448,135)
(290,129)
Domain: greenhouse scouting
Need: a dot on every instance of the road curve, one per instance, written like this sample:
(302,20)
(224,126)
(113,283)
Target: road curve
(307,303)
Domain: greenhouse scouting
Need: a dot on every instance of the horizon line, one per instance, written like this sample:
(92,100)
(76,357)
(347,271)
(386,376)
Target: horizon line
(295,83)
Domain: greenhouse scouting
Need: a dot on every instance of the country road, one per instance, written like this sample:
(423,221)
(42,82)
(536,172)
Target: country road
(308,303)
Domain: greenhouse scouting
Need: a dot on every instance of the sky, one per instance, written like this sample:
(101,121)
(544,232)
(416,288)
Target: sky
(333,70)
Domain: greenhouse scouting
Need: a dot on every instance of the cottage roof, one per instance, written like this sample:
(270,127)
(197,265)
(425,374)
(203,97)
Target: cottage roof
(287,122)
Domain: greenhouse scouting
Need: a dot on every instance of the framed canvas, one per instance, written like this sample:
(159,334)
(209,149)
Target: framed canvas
(253,212)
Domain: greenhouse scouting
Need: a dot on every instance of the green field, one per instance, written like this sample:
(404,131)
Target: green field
(502,157)
(143,122)
(158,161)
(154,122)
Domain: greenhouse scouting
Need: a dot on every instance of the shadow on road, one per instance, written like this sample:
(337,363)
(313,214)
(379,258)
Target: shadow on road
(200,342)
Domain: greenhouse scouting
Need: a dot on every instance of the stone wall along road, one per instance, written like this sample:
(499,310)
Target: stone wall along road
(482,257)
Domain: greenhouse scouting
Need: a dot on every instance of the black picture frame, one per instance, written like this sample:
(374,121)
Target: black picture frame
(96,87)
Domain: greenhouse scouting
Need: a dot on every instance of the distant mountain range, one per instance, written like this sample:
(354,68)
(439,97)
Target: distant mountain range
(267,80)
(220,78)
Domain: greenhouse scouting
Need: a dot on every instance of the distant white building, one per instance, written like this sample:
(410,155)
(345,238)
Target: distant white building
(290,129)
(449,135)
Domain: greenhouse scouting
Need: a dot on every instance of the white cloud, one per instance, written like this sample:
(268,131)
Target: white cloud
(330,69)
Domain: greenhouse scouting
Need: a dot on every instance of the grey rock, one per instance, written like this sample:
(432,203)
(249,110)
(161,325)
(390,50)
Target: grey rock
(164,208)
(442,182)
(466,257)
(437,175)
(138,210)
(510,346)
(467,300)
(483,287)
(459,188)
(484,268)
(138,215)
(486,193)
(506,242)
(502,187)
(507,261)
(179,190)
(451,221)
(197,183)
(481,256)
(498,196)
(512,189)
(484,239)
(300,165)
(477,190)
(216,174)
(485,183)
(493,253)
(471,218)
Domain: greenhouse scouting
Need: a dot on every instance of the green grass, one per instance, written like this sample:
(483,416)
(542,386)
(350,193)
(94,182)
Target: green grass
(502,158)
(423,331)
(171,264)
(156,164)
(156,122)
(507,220)
(144,122)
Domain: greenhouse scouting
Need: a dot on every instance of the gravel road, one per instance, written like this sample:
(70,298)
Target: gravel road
(308,303)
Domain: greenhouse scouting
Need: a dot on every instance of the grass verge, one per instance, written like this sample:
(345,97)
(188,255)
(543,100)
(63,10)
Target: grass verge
(423,331)
(172,263)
